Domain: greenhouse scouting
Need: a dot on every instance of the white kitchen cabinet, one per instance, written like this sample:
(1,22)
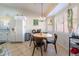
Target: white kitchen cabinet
(16,30)
(11,37)
(12,34)
(3,36)
(19,30)
(17,35)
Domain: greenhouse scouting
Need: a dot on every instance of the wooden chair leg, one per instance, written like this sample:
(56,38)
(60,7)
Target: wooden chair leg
(55,48)
(33,51)
(30,43)
(46,47)
(41,51)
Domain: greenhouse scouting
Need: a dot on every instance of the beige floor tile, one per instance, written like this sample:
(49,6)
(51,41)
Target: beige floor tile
(23,49)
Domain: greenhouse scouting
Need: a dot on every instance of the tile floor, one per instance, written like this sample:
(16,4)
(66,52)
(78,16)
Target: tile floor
(23,49)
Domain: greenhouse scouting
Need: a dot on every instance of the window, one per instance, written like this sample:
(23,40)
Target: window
(61,24)
(65,22)
(74,19)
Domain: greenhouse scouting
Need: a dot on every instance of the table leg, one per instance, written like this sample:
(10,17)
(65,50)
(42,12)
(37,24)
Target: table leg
(46,45)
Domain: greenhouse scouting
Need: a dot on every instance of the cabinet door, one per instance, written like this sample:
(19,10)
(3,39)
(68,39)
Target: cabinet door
(19,30)
(12,33)
(12,37)
(3,36)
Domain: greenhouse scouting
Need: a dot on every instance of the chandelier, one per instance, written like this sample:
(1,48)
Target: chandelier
(42,12)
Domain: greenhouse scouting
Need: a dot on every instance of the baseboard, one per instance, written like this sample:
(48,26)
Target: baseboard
(16,42)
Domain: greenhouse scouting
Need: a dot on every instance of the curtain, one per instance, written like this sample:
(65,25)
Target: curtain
(70,20)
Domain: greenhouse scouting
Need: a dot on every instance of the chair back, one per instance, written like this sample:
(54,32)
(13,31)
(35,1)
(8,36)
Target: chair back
(33,31)
(37,41)
(55,38)
(38,30)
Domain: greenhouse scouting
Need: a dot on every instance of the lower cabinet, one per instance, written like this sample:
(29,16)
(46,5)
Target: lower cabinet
(3,36)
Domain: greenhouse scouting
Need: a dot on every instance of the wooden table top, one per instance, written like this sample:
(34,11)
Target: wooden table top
(45,35)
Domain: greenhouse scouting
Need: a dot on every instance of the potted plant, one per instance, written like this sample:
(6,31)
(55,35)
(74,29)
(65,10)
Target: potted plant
(2,52)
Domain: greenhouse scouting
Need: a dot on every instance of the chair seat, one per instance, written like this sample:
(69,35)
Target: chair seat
(50,42)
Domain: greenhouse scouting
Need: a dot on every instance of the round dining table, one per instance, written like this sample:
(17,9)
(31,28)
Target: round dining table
(43,35)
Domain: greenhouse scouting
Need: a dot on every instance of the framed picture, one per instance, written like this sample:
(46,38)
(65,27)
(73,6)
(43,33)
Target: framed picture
(49,21)
(35,22)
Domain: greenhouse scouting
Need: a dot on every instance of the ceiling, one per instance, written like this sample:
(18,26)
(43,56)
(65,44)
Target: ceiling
(36,9)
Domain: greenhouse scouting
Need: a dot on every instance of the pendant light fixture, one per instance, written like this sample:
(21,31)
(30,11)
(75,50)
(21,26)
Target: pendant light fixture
(42,12)
(41,9)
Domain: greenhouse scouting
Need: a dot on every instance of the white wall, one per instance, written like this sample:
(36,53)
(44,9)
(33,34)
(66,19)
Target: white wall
(30,26)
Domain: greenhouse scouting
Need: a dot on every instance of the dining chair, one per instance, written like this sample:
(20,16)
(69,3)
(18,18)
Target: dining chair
(38,30)
(38,43)
(31,37)
(53,42)
(34,31)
